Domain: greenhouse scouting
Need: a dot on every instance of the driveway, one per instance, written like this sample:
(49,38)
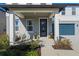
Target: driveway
(47,50)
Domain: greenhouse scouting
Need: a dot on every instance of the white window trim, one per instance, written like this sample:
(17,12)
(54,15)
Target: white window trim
(31,25)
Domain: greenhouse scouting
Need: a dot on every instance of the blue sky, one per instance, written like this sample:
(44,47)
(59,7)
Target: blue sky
(39,1)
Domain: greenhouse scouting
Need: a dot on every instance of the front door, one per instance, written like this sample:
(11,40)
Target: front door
(43,27)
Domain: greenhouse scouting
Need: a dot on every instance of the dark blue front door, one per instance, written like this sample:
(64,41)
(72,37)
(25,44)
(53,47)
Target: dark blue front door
(43,27)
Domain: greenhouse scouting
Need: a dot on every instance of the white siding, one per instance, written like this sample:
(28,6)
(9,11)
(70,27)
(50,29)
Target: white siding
(36,25)
(69,18)
(68,11)
(36,28)
(2,22)
(50,26)
(73,38)
(23,29)
(77,11)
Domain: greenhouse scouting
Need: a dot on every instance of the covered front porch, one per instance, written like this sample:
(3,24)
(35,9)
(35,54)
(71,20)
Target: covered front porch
(27,22)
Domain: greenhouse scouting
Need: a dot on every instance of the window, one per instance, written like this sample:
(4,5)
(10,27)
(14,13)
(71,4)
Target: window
(73,11)
(17,24)
(29,25)
(66,29)
(17,28)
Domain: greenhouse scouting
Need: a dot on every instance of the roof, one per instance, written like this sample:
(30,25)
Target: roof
(3,9)
(34,6)
(42,5)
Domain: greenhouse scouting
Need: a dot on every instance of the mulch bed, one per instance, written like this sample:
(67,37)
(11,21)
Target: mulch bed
(39,51)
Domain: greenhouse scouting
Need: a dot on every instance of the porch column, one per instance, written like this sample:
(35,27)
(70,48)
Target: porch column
(7,23)
(11,27)
(56,27)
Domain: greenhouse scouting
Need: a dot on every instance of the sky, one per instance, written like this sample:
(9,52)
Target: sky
(38,1)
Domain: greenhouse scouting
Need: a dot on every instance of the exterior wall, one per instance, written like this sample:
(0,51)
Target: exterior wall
(23,29)
(36,28)
(35,24)
(2,22)
(50,21)
(77,11)
(68,11)
(73,38)
(39,13)
(69,18)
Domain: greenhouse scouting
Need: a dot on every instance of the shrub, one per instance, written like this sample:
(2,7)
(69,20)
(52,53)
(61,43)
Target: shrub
(17,38)
(19,47)
(63,44)
(4,42)
(31,53)
(51,36)
(34,44)
(19,53)
(10,53)
(36,36)
(24,36)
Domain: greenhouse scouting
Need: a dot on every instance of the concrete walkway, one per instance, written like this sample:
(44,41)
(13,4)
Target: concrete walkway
(47,50)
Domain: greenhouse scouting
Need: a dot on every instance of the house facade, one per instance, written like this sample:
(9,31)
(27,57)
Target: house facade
(62,20)
(68,24)
(2,22)
(29,20)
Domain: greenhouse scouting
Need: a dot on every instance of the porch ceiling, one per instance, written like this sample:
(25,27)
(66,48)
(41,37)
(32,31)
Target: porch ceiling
(30,10)
(34,11)
(35,14)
